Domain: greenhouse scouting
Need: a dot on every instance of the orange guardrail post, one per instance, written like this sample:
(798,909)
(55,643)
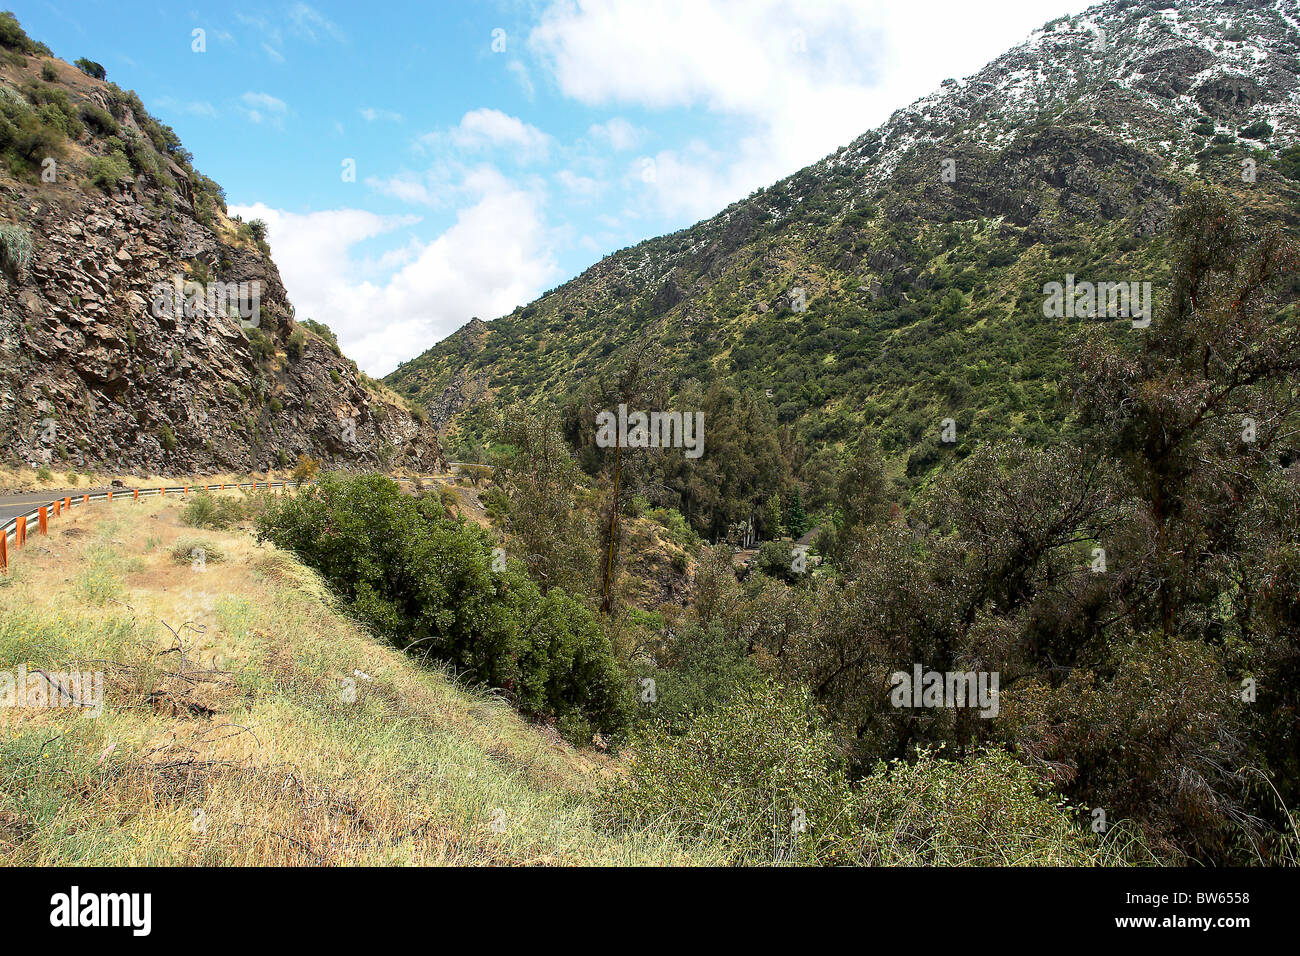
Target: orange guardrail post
(135,494)
(110,496)
(43,520)
(20,532)
(4,551)
(185,490)
(67,503)
(85,499)
(58,507)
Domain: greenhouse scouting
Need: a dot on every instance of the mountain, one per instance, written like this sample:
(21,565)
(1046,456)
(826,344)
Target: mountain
(101,213)
(900,280)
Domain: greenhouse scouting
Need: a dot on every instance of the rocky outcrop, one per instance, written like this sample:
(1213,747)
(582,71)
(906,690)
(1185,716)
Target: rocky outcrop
(100,368)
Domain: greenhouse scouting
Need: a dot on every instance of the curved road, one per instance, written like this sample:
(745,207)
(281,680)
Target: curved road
(11,506)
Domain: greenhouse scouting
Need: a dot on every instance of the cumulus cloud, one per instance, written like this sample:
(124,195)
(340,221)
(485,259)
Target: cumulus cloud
(492,129)
(520,72)
(495,256)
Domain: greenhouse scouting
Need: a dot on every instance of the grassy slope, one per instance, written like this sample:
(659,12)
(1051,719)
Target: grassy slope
(243,750)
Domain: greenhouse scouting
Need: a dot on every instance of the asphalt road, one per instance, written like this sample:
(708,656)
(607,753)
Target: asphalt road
(11,506)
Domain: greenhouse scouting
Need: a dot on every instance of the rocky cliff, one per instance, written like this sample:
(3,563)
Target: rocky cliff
(142,329)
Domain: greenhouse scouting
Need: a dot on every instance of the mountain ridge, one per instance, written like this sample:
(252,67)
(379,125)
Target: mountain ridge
(1065,157)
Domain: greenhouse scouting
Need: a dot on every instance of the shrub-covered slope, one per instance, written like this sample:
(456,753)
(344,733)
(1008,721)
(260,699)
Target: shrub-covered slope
(900,280)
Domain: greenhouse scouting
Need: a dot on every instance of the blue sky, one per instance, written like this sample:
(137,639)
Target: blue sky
(500,148)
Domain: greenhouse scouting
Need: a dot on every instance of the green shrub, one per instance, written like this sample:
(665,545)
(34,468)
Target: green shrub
(108,172)
(260,344)
(28,141)
(206,510)
(54,108)
(43,474)
(985,810)
(698,670)
(428,585)
(761,776)
(99,120)
(48,73)
(776,559)
(293,347)
(1288,163)
(1260,130)
(12,35)
(495,503)
(166,437)
(323,331)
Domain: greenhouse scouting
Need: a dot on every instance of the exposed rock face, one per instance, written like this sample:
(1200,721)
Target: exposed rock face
(96,371)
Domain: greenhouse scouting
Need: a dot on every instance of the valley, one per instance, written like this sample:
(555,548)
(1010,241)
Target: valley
(937,504)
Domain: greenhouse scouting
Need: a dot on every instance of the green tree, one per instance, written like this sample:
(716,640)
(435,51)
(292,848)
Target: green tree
(91,68)
(434,588)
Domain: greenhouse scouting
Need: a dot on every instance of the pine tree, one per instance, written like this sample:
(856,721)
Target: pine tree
(796,519)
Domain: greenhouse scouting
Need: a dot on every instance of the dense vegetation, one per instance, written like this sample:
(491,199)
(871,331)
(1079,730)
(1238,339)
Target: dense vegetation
(1133,582)
(429,585)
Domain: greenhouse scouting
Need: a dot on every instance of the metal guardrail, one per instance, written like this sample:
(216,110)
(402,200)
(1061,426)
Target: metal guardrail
(15,529)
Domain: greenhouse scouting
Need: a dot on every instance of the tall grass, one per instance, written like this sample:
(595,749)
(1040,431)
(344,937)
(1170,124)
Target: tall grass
(247,722)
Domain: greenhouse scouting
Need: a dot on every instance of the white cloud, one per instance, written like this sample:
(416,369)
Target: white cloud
(494,257)
(491,129)
(405,187)
(263,108)
(799,79)
(520,73)
(370,114)
(192,107)
(617,133)
(583,186)
(311,23)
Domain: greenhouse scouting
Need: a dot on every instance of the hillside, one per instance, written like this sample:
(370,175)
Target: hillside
(141,328)
(269,729)
(868,294)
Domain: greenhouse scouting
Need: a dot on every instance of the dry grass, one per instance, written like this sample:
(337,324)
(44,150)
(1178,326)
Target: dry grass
(248,722)
(23,478)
